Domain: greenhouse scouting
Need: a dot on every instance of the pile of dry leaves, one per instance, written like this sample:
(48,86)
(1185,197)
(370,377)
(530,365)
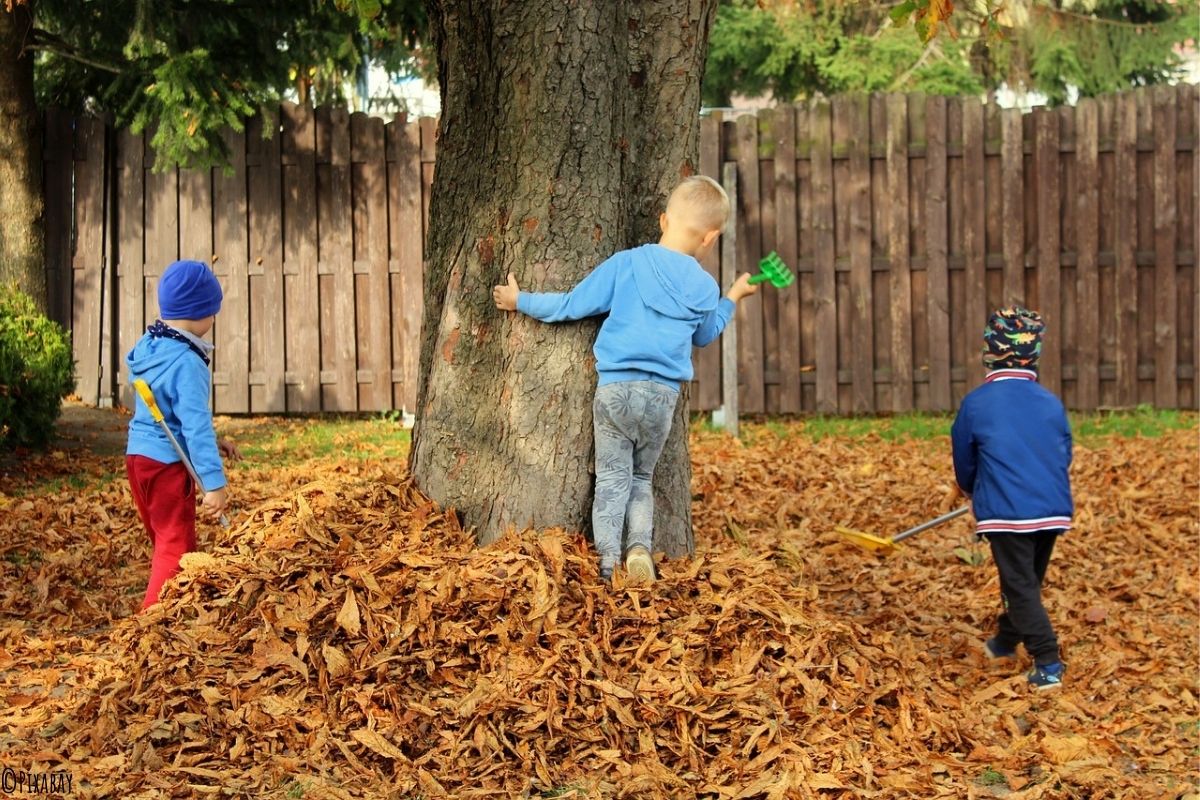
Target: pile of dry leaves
(346,640)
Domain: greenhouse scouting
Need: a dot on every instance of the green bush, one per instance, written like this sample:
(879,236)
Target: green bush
(36,371)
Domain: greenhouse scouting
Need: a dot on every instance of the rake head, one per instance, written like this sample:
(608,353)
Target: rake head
(869,542)
(774,270)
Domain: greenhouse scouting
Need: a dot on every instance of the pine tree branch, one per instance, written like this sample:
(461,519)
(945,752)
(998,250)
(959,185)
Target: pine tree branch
(48,43)
(925,54)
(1063,12)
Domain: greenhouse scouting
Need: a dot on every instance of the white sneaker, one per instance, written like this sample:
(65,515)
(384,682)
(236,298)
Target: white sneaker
(640,565)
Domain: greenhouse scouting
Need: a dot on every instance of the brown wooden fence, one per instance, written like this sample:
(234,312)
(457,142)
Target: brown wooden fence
(315,234)
(906,218)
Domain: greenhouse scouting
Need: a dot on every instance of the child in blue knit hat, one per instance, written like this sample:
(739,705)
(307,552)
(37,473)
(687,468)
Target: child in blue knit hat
(1012,452)
(173,359)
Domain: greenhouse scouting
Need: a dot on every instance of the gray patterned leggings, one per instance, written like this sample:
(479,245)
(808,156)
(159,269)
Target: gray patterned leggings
(632,420)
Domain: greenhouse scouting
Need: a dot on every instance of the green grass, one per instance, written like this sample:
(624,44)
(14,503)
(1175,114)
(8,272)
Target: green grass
(288,441)
(901,426)
(76,483)
(1142,421)
(1087,427)
(990,777)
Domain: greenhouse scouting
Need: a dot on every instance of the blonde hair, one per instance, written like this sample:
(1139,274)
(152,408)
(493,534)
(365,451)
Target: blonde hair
(700,202)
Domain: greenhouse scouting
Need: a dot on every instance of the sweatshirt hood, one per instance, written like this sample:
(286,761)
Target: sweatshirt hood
(666,281)
(152,355)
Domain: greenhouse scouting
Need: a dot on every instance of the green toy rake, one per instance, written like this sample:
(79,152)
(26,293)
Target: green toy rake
(774,270)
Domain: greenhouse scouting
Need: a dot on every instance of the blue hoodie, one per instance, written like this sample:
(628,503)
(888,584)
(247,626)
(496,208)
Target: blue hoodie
(1012,452)
(181,384)
(659,302)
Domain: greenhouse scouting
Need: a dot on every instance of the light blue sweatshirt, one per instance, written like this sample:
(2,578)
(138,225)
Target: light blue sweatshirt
(181,384)
(659,303)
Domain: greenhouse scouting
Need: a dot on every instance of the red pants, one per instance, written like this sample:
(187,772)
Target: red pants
(166,500)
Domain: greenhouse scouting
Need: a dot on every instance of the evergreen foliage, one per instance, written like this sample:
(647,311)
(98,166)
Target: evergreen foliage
(36,371)
(189,68)
(793,50)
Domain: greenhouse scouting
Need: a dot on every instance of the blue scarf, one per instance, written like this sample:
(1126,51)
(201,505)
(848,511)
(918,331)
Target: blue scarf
(161,330)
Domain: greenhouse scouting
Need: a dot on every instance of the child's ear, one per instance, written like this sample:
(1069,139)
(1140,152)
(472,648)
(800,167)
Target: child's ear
(662,222)
(710,238)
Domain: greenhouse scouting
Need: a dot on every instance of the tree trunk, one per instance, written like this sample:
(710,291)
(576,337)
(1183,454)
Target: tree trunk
(563,128)
(22,249)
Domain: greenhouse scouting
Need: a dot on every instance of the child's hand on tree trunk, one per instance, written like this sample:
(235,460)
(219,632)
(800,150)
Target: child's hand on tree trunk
(506,294)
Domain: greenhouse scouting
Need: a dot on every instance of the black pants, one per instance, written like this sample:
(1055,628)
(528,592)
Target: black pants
(1021,559)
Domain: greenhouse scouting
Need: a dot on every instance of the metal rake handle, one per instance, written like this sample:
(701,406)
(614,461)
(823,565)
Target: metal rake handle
(924,526)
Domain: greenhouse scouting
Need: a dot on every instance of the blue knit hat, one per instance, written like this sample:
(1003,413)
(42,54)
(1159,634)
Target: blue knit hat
(188,290)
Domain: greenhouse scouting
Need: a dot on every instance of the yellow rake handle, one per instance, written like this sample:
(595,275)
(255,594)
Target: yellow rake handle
(143,391)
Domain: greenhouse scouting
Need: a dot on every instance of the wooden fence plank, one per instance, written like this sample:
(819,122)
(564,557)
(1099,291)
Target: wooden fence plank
(707,394)
(196,224)
(1192,96)
(804,240)
(335,266)
(974,237)
(302,354)
(960,351)
(87,262)
(404,188)
(880,203)
(862,344)
(1188,238)
(1048,241)
(162,228)
(937,285)
(130,253)
(267,392)
(787,246)
(414,278)
(1012,180)
(230,262)
(372,284)
(429,126)
(899,251)
(918,323)
(1166,351)
(1125,242)
(766,231)
(1145,244)
(824,285)
(58,164)
(730,388)
(196,215)
(751,398)
(1087,344)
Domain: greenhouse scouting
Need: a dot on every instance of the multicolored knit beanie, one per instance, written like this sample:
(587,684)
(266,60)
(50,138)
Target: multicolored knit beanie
(1013,339)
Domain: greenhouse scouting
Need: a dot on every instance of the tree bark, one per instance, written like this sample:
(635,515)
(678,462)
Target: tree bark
(563,128)
(22,244)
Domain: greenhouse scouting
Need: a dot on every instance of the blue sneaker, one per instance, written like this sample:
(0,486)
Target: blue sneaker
(1046,676)
(994,650)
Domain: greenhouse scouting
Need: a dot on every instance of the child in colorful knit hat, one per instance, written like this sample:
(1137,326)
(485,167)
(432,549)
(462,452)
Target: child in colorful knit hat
(1012,451)
(173,359)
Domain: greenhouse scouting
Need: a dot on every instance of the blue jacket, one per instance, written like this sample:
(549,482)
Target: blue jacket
(181,384)
(1012,451)
(659,304)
